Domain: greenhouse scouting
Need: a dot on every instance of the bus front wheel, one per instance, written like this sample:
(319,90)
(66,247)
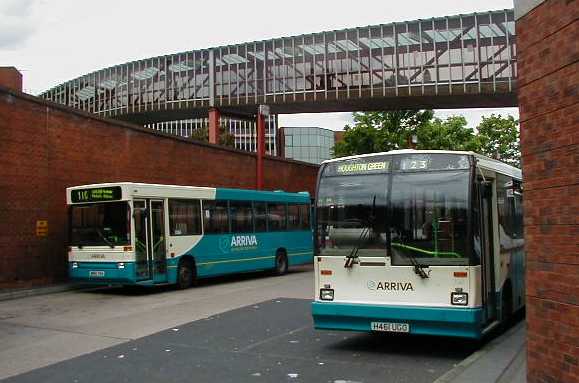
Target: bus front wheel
(281,263)
(185,274)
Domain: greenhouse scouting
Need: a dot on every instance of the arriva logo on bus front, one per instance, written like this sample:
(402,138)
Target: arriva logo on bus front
(390,286)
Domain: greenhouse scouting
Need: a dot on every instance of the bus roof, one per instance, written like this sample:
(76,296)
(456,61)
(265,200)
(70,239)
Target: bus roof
(483,161)
(204,192)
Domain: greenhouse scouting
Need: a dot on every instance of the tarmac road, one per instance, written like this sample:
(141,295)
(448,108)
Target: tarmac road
(250,328)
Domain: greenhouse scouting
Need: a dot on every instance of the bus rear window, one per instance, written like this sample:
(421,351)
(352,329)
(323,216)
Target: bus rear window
(100,224)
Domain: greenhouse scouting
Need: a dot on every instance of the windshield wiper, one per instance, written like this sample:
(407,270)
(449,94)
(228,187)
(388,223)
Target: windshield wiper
(111,245)
(364,235)
(418,267)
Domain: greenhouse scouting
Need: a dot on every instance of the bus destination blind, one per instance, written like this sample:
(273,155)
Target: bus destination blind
(102,194)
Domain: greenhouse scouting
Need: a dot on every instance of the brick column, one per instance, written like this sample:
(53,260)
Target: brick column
(280,142)
(214,122)
(11,78)
(548,80)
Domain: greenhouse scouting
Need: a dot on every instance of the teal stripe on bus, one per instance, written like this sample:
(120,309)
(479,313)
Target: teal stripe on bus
(264,196)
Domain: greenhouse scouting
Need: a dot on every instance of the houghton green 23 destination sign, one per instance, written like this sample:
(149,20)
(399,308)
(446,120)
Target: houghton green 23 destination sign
(362,167)
(112,193)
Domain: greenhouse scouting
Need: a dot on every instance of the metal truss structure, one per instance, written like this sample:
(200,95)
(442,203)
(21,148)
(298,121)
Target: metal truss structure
(455,61)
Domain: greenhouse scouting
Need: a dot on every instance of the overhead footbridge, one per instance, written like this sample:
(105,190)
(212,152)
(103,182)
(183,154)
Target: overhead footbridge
(449,62)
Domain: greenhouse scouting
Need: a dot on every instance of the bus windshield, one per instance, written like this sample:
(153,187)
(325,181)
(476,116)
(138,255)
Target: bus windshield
(100,224)
(421,216)
(352,215)
(429,218)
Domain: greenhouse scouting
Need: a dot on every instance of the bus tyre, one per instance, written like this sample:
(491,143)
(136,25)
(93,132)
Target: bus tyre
(281,264)
(185,274)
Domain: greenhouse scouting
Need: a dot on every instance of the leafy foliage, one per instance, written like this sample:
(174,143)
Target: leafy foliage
(381,131)
(496,136)
(499,138)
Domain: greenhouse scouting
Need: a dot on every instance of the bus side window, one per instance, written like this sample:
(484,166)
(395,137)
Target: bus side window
(215,217)
(276,216)
(260,216)
(241,217)
(293,217)
(184,217)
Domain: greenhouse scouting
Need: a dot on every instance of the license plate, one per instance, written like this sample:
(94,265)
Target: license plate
(94,273)
(390,327)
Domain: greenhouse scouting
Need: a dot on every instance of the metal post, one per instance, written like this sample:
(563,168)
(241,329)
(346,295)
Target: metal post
(260,146)
(211,63)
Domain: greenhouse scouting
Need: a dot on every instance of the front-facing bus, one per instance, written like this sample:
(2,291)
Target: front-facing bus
(100,235)
(405,244)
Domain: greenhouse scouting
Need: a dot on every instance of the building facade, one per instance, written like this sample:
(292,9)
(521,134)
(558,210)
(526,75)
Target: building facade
(308,144)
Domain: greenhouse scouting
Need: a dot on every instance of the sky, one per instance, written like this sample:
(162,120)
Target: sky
(53,41)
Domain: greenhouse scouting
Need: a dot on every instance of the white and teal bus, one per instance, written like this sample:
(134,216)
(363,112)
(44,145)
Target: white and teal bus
(422,242)
(134,233)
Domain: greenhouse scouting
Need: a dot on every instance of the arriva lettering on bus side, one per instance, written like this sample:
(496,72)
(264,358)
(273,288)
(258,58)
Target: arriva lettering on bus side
(418,242)
(243,240)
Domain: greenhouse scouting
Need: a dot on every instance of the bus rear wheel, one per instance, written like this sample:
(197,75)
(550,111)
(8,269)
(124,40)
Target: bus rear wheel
(281,263)
(185,274)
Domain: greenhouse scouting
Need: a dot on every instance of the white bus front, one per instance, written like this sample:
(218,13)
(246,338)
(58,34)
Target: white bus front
(394,246)
(100,246)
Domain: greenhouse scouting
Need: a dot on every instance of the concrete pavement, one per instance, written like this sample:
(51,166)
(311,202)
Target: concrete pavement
(501,360)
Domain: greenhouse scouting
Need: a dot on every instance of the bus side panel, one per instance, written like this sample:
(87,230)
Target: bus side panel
(218,254)
(299,246)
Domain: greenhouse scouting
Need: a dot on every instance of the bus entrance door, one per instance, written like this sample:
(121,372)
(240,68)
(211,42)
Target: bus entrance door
(150,249)
(487,251)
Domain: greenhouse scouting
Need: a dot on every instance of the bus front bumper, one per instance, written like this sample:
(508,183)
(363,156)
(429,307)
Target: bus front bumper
(440,321)
(102,272)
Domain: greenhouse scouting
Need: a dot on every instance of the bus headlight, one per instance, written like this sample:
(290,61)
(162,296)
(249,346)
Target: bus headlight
(327,294)
(121,265)
(459,299)
(74,265)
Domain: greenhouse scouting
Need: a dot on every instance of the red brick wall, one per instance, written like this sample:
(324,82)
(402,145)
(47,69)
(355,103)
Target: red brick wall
(547,39)
(11,78)
(45,148)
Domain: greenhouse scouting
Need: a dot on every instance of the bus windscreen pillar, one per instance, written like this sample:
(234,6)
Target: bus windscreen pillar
(262,112)
(214,121)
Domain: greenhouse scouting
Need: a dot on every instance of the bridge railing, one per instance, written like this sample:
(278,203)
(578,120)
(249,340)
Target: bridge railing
(454,55)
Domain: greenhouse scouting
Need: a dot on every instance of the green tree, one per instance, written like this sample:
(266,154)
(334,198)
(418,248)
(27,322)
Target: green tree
(450,134)
(381,131)
(498,137)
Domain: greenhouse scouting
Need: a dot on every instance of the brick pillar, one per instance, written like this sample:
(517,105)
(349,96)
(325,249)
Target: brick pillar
(11,78)
(260,149)
(280,142)
(548,67)
(214,122)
